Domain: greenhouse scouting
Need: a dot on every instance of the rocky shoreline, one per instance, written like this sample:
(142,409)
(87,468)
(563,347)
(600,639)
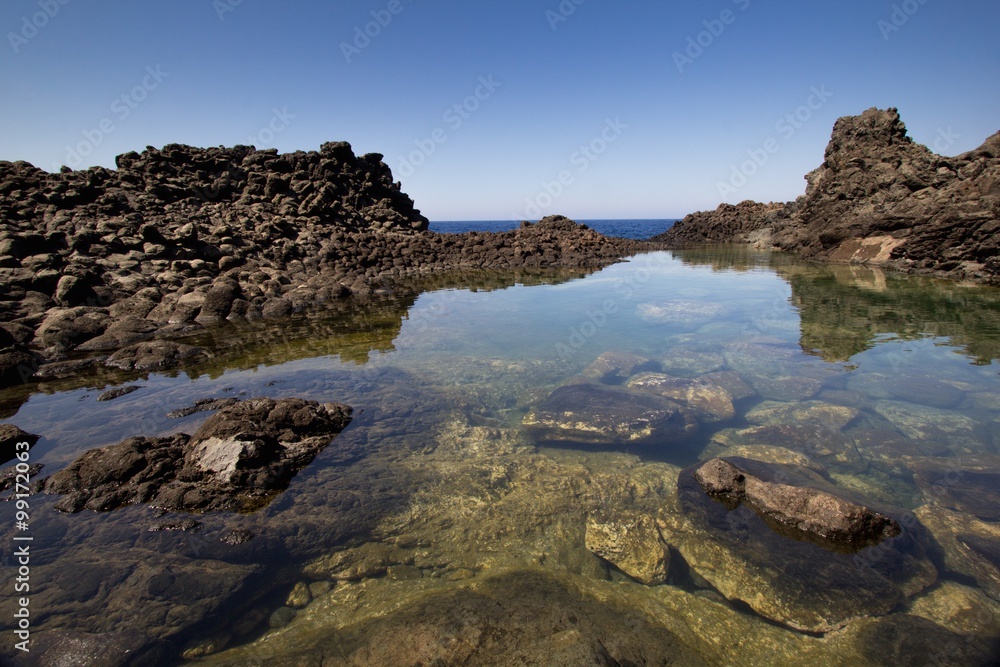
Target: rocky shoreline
(175,239)
(879,199)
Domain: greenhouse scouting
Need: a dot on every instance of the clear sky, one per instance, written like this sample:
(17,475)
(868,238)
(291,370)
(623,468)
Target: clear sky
(509,108)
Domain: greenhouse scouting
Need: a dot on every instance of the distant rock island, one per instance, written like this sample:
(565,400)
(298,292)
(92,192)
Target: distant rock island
(881,199)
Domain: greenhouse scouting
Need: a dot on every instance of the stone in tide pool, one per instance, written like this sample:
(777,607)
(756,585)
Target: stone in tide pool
(631,542)
(795,582)
(797,511)
(594,414)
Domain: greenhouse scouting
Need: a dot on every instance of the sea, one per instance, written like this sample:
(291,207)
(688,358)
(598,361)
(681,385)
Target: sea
(627,229)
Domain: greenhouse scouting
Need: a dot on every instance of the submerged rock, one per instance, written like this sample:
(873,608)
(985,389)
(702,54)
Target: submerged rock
(711,400)
(601,415)
(239,459)
(616,367)
(118,392)
(795,582)
(521,617)
(153,355)
(968,484)
(829,415)
(971,547)
(631,542)
(817,442)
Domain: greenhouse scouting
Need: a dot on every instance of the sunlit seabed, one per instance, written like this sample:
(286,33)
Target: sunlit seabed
(440,382)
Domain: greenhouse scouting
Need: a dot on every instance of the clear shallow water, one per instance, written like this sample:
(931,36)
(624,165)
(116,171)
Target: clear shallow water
(901,376)
(628,229)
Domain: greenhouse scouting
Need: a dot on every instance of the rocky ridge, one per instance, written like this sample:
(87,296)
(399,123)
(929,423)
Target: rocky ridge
(879,198)
(181,237)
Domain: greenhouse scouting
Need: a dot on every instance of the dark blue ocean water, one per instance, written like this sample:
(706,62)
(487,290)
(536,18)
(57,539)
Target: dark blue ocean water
(629,229)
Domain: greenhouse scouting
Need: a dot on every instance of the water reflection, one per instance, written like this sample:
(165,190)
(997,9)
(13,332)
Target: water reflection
(847,309)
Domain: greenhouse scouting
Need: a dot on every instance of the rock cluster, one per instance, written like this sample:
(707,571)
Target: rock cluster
(878,198)
(181,237)
(239,459)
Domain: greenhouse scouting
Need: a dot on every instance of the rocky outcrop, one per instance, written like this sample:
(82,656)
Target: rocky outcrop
(239,459)
(802,512)
(878,198)
(746,222)
(184,237)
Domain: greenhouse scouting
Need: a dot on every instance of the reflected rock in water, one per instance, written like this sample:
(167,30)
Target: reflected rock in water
(845,309)
(794,582)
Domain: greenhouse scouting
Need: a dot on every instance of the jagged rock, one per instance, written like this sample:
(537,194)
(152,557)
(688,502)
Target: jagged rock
(878,198)
(239,459)
(631,542)
(596,414)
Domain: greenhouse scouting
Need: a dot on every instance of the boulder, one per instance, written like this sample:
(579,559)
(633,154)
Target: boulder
(797,511)
(631,542)
(593,414)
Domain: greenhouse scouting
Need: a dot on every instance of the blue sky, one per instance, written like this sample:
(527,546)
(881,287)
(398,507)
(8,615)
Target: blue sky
(503,109)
